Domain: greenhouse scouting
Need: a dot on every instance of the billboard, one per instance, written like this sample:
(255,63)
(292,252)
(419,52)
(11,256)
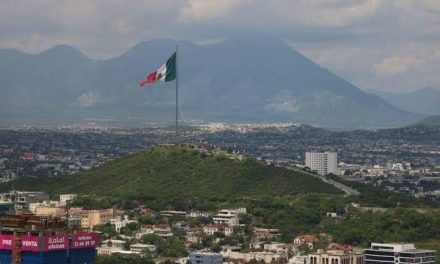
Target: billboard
(6,242)
(30,243)
(85,240)
(51,243)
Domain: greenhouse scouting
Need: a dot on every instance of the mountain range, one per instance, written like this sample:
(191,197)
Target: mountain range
(243,79)
(425,101)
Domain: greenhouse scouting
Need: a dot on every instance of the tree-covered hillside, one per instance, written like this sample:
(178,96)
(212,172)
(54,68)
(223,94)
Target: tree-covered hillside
(164,175)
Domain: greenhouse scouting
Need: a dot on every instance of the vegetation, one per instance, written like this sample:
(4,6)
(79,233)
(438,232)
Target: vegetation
(171,247)
(178,177)
(123,259)
(362,228)
(374,196)
(433,244)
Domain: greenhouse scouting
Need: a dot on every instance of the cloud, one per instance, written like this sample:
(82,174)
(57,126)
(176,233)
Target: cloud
(342,15)
(202,10)
(397,65)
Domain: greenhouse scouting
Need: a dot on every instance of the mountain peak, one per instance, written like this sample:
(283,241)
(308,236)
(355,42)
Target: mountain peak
(247,78)
(63,50)
(427,90)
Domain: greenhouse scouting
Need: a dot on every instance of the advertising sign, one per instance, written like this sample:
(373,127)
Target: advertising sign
(85,240)
(6,242)
(30,243)
(52,243)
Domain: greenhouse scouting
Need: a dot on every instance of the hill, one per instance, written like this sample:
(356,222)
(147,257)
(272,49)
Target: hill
(165,175)
(244,79)
(432,121)
(425,101)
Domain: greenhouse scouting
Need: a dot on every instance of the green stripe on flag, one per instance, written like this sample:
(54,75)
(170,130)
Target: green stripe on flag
(171,68)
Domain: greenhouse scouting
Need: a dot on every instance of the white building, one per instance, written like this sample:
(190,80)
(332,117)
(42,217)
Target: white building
(120,222)
(210,230)
(64,198)
(398,253)
(275,247)
(228,216)
(336,257)
(142,248)
(199,214)
(322,162)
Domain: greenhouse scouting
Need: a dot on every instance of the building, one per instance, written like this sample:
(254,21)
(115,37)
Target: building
(267,233)
(275,247)
(398,253)
(267,257)
(173,213)
(161,230)
(64,198)
(228,216)
(27,238)
(205,258)
(50,211)
(141,248)
(210,230)
(336,257)
(324,163)
(120,222)
(199,214)
(21,200)
(298,260)
(92,218)
(308,240)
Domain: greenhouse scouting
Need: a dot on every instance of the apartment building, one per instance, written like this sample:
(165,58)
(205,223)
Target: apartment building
(336,257)
(322,162)
(398,253)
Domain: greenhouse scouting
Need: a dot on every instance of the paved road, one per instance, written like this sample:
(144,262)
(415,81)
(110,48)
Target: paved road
(348,190)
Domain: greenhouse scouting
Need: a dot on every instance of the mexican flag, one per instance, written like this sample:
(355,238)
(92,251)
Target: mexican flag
(166,72)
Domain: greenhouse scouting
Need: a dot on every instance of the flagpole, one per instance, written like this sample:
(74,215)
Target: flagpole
(177,94)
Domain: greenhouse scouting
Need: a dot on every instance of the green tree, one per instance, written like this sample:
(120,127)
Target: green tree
(123,259)
(172,247)
(151,239)
(216,247)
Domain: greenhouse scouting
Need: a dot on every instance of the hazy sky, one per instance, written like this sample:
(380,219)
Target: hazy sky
(391,45)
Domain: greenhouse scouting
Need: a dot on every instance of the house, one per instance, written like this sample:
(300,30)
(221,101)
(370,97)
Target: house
(64,198)
(308,240)
(280,248)
(192,239)
(160,230)
(210,230)
(142,248)
(120,222)
(267,233)
(182,226)
(228,216)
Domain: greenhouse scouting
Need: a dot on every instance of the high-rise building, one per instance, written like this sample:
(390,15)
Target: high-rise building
(322,162)
(397,254)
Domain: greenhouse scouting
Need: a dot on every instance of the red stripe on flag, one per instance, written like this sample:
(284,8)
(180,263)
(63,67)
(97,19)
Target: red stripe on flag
(151,78)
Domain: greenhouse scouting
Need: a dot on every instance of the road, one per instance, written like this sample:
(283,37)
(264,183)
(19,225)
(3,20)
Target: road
(348,190)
